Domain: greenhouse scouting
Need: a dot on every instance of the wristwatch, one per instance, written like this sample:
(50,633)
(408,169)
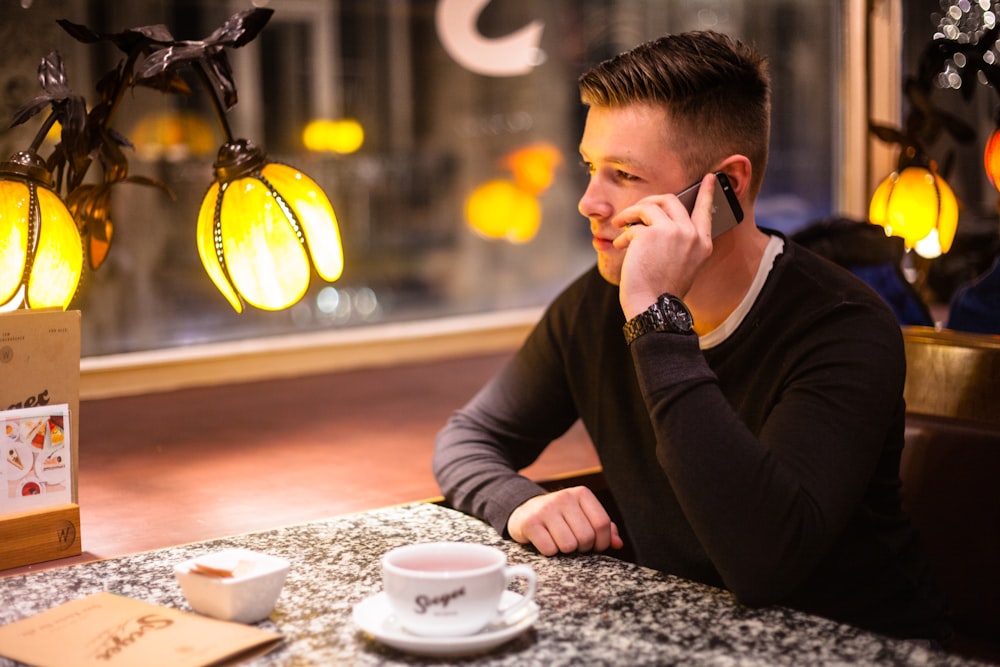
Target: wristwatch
(668,314)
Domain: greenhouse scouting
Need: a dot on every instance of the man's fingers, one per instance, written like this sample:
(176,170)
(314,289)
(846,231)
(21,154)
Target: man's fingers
(552,523)
(603,529)
(564,521)
(616,540)
(702,213)
(539,536)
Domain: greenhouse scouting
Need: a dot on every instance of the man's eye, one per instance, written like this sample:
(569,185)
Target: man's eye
(617,174)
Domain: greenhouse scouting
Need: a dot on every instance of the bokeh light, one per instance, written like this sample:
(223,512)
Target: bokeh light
(534,166)
(343,136)
(498,209)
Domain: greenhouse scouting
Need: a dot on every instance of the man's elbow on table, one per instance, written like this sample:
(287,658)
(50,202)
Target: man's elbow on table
(760,589)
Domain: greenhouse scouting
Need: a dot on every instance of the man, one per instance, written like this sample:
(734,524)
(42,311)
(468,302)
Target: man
(758,450)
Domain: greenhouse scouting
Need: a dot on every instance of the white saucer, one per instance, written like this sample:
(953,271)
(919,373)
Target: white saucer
(374,616)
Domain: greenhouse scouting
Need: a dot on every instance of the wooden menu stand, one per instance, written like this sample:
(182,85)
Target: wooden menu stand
(39,367)
(41,535)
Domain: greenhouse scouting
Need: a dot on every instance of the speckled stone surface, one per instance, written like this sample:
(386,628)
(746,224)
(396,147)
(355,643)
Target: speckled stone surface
(595,610)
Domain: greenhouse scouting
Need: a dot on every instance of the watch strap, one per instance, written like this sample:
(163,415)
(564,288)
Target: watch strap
(667,314)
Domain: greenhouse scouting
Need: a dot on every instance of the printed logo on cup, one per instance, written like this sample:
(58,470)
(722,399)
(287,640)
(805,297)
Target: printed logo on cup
(422,602)
(452,589)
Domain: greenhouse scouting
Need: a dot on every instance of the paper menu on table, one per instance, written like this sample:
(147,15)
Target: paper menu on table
(36,461)
(111,630)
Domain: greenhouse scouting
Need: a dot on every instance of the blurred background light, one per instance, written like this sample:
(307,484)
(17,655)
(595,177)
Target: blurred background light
(343,136)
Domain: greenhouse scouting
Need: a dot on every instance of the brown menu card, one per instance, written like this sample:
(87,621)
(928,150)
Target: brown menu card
(111,630)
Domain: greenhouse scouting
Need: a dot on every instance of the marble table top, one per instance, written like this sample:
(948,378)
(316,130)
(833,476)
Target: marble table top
(594,610)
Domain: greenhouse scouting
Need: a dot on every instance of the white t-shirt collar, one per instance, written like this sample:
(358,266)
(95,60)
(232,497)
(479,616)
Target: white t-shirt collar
(775,246)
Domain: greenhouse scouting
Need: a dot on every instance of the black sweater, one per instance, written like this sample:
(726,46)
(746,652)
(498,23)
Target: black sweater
(768,465)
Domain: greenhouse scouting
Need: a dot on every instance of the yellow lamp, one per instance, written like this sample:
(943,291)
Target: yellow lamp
(261,226)
(41,254)
(991,158)
(90,204)
(913,202)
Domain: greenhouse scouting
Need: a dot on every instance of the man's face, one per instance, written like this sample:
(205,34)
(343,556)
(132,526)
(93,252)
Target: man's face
(625,151)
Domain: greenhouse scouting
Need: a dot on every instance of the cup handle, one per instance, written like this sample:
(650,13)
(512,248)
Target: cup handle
(509,614)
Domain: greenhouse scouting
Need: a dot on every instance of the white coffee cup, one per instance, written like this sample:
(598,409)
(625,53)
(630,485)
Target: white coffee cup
(451,589)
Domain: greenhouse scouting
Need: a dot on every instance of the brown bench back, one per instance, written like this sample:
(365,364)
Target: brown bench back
(951,473)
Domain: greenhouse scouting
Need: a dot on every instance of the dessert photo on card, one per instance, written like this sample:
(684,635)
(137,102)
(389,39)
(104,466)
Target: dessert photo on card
(37,461)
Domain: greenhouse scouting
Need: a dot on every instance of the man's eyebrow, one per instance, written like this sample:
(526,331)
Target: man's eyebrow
(620,161)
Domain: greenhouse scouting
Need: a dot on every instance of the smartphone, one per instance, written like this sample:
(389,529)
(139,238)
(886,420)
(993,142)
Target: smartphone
(726,209)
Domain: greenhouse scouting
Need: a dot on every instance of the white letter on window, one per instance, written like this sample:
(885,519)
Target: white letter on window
(512,55)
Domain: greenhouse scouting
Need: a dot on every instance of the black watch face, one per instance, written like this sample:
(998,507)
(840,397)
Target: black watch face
(677,315)
(681,319)
(668,314)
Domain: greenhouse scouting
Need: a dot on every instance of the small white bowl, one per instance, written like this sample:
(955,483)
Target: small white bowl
(247,597)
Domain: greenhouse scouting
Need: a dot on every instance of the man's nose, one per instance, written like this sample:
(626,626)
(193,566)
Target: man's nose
(593,204)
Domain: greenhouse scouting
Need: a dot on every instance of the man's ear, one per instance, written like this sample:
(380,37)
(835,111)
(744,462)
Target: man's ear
(739,170)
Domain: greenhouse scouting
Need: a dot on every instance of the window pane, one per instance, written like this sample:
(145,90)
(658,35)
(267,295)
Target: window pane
(434,132)
(977,243)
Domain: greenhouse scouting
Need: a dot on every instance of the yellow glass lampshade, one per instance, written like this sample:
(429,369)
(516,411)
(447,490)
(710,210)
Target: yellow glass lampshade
(40,246)
(261,229)
(914,202)
(991,158)
(15,205)
(499,209)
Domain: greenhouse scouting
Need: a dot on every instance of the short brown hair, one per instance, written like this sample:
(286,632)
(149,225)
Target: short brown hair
(715,89)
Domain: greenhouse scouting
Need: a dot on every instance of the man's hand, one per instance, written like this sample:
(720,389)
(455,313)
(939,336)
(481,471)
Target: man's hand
(564,521)
(665,246)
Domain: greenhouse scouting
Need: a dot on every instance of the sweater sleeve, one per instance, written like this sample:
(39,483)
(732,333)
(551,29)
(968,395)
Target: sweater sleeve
(503,429)
(767,504)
